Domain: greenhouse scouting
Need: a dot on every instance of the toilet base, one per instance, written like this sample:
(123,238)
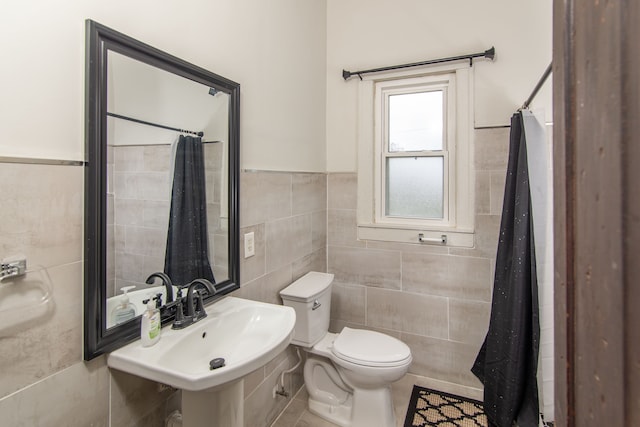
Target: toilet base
(373,407)
(336,414)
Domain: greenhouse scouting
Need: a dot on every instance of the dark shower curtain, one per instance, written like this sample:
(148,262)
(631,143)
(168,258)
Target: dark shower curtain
(187,255)
(508,360)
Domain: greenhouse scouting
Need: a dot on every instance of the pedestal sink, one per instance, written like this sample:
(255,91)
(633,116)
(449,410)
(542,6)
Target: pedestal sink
(247,334)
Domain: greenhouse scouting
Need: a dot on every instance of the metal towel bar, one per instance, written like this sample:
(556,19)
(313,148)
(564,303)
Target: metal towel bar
(442,239)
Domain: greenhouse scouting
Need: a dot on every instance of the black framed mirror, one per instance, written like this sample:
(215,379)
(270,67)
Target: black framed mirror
(158,130)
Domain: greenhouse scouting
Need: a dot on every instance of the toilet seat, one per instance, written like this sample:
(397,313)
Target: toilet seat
(370,348)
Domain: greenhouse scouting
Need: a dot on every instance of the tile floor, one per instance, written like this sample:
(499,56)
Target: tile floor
(297,414)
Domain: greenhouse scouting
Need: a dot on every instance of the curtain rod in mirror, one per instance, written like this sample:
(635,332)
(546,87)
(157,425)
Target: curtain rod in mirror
(131,119)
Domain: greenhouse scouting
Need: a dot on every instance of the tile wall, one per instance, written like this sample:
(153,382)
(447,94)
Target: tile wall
(45,382)
(287,213)
(436,299)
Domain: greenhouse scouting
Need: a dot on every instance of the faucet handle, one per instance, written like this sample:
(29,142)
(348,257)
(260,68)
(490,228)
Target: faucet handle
(199,312)
(158,299)
(181,321)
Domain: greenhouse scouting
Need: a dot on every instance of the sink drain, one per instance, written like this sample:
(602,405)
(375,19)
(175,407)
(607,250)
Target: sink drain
(216,363)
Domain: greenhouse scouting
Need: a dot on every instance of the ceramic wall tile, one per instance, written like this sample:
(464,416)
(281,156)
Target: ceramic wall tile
(469,321)
(483,192)
(407,312)
(405,386)
(154,186)
(265,196)
(157,158)
(136,401)
(485,238)
(491,148)
(336,325)
(287,240)
(315,261)
(128,158)
(318,230)
(130,211)
(348,303)
(367,267)
(260,407)
(442,359)
(309,192)
(42,213)
(445,275)
(407,247)
(267,288)
(145,241)
(76,396)
(497,192)
(342,191)
(253,380)
(342,228)
(32,351)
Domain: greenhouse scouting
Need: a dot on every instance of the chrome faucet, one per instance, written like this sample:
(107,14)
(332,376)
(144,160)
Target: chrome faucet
(166,281)
(195,310)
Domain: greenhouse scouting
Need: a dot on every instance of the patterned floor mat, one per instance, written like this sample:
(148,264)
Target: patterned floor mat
(437,409)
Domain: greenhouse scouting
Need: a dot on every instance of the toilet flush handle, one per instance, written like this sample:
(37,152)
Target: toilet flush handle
(316,305)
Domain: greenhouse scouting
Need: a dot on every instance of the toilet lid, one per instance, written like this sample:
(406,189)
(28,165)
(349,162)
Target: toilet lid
(370,348)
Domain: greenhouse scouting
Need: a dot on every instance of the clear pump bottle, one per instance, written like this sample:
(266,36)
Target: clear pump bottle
(125,310)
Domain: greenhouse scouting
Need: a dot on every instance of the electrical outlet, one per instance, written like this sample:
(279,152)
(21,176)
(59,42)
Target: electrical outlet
(249,245)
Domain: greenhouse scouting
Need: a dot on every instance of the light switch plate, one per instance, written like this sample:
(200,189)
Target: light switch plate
(249,245)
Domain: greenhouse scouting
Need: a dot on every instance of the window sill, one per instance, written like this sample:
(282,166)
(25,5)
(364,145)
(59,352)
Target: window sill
(386,233)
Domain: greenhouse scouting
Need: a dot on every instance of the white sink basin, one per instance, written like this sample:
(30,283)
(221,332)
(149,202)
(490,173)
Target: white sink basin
(247,334)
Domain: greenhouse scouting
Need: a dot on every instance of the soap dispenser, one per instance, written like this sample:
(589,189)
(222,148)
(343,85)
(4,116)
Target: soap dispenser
(124,310)
(151,324)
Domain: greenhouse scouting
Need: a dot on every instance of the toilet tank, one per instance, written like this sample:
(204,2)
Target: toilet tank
(310,297)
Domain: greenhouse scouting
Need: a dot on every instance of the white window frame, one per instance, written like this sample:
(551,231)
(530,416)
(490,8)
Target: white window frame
(458,222)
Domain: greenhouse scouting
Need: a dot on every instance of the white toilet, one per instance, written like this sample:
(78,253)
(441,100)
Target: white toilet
(348,375)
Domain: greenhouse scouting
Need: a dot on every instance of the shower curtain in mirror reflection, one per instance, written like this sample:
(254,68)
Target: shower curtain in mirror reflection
(187,255)
(508,360)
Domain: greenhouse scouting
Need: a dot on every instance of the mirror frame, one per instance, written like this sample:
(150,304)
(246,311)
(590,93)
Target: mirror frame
(99,40)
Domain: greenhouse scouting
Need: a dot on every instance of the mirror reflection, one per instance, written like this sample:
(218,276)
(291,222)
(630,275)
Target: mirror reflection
(153,171)
(161,188)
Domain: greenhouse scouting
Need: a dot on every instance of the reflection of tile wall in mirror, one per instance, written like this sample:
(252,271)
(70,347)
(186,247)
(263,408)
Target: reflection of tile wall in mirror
(141,205)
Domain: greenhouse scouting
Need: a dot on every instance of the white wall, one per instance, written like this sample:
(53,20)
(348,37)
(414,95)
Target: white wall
(275,50)
(144,92)
(366,34)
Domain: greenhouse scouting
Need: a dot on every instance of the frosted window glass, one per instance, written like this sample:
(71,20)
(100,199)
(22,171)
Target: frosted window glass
(416,121)
(415,187)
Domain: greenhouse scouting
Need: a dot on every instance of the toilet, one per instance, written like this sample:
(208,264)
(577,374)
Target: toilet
(348,375)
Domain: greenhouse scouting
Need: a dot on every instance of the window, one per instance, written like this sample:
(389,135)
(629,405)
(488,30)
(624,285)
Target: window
(414,155)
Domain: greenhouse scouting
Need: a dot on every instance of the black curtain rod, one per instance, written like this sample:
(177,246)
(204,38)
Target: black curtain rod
(131,119)
(489,54)
(544,77)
